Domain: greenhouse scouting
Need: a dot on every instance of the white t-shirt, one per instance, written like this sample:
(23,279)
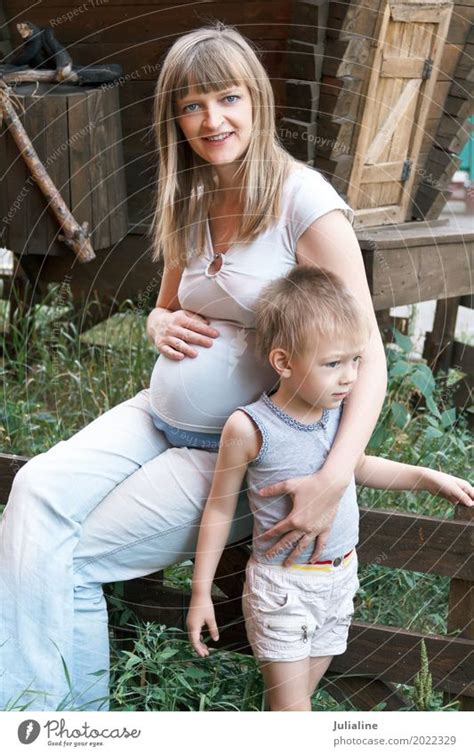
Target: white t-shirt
(199,394)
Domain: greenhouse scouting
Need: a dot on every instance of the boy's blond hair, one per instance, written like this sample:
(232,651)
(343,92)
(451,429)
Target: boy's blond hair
(309,302)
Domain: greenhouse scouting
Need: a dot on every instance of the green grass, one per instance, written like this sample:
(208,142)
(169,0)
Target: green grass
(54,382)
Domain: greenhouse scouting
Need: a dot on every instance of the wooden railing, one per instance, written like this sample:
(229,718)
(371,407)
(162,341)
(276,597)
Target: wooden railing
(378,656)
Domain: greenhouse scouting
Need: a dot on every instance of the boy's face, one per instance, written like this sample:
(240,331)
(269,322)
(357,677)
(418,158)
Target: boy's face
(326,374)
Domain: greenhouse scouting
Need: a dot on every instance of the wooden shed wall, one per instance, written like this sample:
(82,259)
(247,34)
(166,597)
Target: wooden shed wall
(317,54)
(137,36)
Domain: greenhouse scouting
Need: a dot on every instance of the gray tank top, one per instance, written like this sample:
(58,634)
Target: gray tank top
(290,449)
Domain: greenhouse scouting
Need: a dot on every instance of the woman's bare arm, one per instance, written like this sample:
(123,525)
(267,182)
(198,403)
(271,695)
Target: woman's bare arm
(330,243)
(171,329)
(167,300)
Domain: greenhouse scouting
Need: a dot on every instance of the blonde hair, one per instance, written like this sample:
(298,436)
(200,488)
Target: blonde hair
(306,304)
(212,58)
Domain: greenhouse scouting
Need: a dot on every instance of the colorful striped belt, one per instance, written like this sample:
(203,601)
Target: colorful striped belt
(323,565)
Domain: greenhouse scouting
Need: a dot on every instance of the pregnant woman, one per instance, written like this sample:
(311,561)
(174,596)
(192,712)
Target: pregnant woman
(124,496)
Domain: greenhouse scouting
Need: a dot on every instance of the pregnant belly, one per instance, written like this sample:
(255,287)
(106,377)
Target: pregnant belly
(200,393)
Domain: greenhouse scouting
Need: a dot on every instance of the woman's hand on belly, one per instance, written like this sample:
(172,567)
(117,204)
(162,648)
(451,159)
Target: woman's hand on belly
(177,330)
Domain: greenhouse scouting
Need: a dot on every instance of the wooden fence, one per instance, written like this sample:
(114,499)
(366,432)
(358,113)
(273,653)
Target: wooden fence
(378,656)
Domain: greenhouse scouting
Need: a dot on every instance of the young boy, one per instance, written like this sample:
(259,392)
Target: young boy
(297,618)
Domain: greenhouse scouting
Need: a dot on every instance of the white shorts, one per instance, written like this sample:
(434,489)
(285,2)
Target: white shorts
(295,613)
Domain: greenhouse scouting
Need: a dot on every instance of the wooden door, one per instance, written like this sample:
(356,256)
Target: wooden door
(409,45)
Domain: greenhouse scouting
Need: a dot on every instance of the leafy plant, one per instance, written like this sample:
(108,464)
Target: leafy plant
(423,686)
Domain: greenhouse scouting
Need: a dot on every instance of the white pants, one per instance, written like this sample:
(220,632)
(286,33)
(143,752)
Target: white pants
(114,502)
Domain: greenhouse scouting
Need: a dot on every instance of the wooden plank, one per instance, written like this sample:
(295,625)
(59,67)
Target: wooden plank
(5,38)
(34,212)
(409,235)
(364,694)
(419,10)
(363,135)
(307,22)
(416,543)
(125,274)
(439,343)
(393,654)
(56,144)
(19,186)
(230,572)
(429,201)
(131,56)
(407,541)
(298,138)
(79,157)
(382,135)
(390,654)
(461,609)
(404,68)
(415,274)
(377,216)
(302,100)
(428,87)
(382,172)
(9,466)
(98,141)
(450,58)
(463,357)
(467,301)
(125,23)
(115,178)
(303,61)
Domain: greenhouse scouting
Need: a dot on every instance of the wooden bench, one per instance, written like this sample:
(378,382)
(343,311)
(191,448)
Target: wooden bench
(378,656)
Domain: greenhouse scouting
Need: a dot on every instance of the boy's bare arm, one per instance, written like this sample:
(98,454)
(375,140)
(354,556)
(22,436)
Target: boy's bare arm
(374,472)
(236,450)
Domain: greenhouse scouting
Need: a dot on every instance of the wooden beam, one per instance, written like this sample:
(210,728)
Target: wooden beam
(399,540)
(402,68)
(461,609)
(9,466)
(364,693)
(406,264)
(393,654)
(417,543)
(391,122)
(414,11)
(382,172)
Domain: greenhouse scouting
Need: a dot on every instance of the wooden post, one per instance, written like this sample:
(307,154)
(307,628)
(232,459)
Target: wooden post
(461,611)
(438,349)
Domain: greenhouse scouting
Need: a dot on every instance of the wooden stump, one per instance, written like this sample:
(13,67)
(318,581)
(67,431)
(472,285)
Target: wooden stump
(76,133)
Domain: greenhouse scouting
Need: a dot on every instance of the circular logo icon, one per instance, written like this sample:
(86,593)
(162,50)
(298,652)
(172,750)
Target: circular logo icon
(28,731)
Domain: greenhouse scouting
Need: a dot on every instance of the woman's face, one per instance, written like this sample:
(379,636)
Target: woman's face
(226,114)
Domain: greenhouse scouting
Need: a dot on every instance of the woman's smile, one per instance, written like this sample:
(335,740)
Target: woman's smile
(218,139)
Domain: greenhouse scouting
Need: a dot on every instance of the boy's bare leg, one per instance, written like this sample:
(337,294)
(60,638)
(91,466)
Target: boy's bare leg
(287,685)
(317,667)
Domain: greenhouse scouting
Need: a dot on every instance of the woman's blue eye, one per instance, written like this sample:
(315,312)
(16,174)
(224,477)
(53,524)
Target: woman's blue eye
(193,105)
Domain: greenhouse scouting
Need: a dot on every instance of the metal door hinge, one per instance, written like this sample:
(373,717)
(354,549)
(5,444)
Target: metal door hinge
(427,69)
(406,170)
